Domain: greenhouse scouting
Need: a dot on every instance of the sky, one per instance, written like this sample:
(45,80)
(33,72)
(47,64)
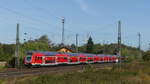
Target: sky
(96,18)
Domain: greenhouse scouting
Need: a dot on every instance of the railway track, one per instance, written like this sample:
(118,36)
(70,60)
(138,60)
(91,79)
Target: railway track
(14,73)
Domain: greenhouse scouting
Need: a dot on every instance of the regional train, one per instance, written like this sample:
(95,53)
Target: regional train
(40,58)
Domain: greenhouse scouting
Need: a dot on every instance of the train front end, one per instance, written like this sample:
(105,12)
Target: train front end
(28,59)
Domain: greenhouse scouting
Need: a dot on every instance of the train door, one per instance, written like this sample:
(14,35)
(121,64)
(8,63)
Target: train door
(113,58)
(101,58)
(90,58)
(82,59)
(38,60)
(96,59)
(43,60)
(73,60)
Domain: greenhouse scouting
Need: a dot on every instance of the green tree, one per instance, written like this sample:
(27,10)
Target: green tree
(42,43)
(44,39)
(1,53)
(6,51)
(73,47)
(90,45)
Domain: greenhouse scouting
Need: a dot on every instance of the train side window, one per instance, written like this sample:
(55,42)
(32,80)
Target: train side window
(65,58)
(90,60)
(50,61)
(40,58)
(82,58)
(36,58)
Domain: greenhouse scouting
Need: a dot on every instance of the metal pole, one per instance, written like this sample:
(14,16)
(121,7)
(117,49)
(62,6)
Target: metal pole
(17,46)
(76,43)
(104,49)
(119,40)
(139,35)
(63,21)
(139,47)
(149,46)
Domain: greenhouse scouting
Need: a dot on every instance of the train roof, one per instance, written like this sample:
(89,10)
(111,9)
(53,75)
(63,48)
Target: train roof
(90,55)
(101,55)
(47,53)
(73,54)
(43,52)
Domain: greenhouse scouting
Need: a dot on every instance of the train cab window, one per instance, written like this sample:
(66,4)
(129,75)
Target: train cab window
(28,58)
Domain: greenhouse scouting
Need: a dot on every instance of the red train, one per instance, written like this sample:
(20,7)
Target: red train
(38,58)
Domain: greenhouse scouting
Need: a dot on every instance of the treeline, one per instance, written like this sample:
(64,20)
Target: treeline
(7,51)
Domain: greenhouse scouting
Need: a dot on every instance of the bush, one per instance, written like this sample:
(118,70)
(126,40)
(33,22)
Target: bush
(11,62)
(146,57)
(89,68)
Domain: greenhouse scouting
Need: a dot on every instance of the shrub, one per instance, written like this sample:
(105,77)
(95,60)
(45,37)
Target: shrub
(89,68)
(146,57)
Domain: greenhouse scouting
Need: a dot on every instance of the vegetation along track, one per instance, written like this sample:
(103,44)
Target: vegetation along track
(11,73)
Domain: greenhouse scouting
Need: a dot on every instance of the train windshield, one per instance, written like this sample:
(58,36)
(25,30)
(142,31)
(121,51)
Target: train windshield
(28,58)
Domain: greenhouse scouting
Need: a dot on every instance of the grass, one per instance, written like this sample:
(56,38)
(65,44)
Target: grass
(1,81)
(129,73)
(2,68)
